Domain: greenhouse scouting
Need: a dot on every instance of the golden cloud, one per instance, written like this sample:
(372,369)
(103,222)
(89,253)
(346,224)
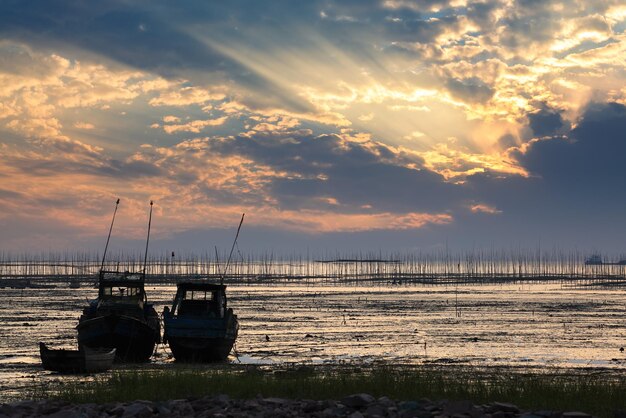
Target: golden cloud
(324,221)
(84,125)
(194,126)
(185,96)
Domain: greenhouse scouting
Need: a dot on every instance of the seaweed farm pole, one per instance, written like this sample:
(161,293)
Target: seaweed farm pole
(109,236)
(172,264)
(217,262)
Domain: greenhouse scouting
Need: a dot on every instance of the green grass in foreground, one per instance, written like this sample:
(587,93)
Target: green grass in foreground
(555,390)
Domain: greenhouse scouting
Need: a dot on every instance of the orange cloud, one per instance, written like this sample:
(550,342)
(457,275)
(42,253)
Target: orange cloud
(483,208)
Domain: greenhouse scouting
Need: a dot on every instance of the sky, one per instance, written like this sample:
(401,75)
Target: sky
(354,125)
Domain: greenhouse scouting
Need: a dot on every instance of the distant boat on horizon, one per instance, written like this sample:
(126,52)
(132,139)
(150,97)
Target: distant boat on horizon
(596,260)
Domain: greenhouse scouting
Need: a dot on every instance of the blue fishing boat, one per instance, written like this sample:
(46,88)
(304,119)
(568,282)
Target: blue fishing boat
(200,327)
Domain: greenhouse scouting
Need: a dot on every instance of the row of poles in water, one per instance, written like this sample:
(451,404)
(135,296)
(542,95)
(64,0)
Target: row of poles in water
(515,264)
(258,268)
(145,259)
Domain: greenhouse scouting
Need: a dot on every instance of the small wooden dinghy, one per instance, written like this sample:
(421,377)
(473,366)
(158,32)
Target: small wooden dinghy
(76,361)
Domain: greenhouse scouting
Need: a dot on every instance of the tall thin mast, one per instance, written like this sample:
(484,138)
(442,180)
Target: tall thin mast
(231,250)
(109,237)
(145,258)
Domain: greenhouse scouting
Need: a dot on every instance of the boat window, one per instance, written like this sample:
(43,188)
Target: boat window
(121,291)
(198,295)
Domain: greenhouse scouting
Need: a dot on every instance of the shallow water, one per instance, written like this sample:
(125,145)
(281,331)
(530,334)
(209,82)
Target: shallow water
(503,325)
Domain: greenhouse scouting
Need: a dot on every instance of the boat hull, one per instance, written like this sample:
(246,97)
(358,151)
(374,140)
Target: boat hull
(133,339)
(201,340)
(207,350)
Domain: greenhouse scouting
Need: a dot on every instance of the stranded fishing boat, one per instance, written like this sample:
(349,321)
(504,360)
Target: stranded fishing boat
(200,327)
(121,316)
(76,361)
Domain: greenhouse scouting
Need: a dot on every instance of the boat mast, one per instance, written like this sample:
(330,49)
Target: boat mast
(145,258)
(231,250)
(109,237)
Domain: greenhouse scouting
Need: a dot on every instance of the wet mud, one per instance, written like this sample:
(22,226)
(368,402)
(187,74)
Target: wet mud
(530,325)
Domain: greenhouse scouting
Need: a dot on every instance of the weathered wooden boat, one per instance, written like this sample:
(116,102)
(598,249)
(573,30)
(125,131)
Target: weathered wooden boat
(120,318)
(200,327)
(76,361)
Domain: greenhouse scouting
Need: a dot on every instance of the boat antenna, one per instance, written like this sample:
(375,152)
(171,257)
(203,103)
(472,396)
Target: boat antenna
(231,249)
(106,246)
(145,258)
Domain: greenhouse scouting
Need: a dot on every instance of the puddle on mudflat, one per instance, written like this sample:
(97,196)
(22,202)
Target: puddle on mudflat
(480,325)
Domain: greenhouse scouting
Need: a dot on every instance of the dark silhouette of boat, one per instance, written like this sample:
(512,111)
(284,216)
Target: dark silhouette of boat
(120,318)
(200,327)
(76,361)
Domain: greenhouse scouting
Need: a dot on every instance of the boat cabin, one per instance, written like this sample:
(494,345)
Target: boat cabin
(200,299)
(121,289)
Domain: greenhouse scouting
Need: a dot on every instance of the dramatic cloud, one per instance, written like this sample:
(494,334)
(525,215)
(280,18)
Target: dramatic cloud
(588,160)
(545,122)
(466,119)
(571,193)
